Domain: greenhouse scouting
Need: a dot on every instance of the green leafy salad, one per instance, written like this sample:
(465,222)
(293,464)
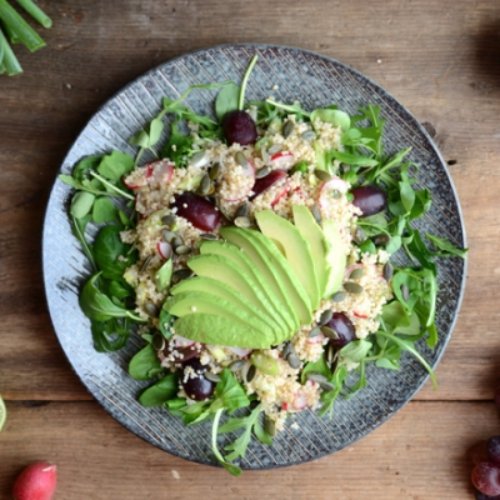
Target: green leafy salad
(250,250)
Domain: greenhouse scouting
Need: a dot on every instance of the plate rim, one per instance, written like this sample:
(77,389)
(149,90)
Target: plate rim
(394,102)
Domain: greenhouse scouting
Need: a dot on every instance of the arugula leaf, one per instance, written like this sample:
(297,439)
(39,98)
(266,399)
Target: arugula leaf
(446,249)
(160,392)
(81,204)
(164,275)
(231,468)
(115,165)
(244,81)
(78,228)
(229,394)
(98,306)
(227,100)
(320,367)
(148,137)
(145,364)
(110,335)
(355,160)
(104,210)
(178,147)
(334,116)
(111,255)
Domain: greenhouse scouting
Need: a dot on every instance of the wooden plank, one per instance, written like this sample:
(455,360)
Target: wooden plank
(417,455)
(437,58)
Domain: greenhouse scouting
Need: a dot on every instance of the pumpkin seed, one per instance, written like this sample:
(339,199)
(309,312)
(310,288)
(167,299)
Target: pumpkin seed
(405,292)
(177,241)
(275,148)
(352,287)
(262,172)
(359,236)
(336,194)
(145,264)
(168,236)
(151,309)
(325,317)
(315,332)
(168,220)
(322,175)
(206,185)
(287,349)
(158,342)
(208,236)
(339,297)
(199,159)
(322,381)
(180,275)
(242,222)
(308,135)
(269,426)
(293,360)
(330,354)
(288,128)
(213,377)
(329,332)
(214,171)
(182,250)
(237,365)
(316,213)
(388,271)
(381,239)
(241,159)
(243,210)
(250,373)
(357,274)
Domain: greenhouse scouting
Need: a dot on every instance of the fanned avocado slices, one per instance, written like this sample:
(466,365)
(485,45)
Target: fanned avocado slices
(219,290)
(216,267)
(220,330)
(294,247)
(235,254)
(336,257)
(188,303)
(269,260)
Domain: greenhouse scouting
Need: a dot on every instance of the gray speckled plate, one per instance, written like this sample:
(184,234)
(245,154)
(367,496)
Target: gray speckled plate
(289,74)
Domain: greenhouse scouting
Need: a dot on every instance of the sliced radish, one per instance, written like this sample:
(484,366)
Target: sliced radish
(281,195)
(328,187)
(299,402)
(181,341)
(360,315)
(162,171)
(283,160)
(284,406)
(240,351)
(164,249)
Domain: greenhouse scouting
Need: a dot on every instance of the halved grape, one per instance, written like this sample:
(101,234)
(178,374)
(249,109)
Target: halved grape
(343,327)
(198,387)
(493,447)
(199,211)
(239,127)
(266,182)
(369,199)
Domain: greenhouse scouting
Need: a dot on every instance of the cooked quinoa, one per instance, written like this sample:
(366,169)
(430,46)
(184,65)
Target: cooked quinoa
(231,170)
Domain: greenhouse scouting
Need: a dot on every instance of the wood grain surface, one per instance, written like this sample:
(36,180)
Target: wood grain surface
(441,59)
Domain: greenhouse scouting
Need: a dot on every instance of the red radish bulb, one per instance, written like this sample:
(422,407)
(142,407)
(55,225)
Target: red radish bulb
(36,482)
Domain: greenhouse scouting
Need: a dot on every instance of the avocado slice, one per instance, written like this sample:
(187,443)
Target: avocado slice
(235,254)
(336,257)
(219,290)
(200,327)
(269,267)
(188,303)
(220,269)
(294,247)
(310,230)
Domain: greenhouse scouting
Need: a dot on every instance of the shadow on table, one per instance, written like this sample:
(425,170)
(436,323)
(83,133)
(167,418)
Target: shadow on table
(487,57)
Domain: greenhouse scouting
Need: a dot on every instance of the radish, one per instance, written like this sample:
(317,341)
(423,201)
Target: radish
(328,187)
(283,160)
(36,482)
(164,249)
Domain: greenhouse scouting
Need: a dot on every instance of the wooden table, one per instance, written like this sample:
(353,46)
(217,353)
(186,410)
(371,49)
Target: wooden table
(440,58)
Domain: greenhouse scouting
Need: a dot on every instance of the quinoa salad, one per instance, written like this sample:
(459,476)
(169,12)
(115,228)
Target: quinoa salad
(252,256)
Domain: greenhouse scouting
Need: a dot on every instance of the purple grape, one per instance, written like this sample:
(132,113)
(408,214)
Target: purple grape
(343,327)
(369,199)
(493,448)
(199,211)
(199,387)
(239,127)
(482,496)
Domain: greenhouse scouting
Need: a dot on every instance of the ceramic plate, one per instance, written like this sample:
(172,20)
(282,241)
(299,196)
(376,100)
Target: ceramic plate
(288,74)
